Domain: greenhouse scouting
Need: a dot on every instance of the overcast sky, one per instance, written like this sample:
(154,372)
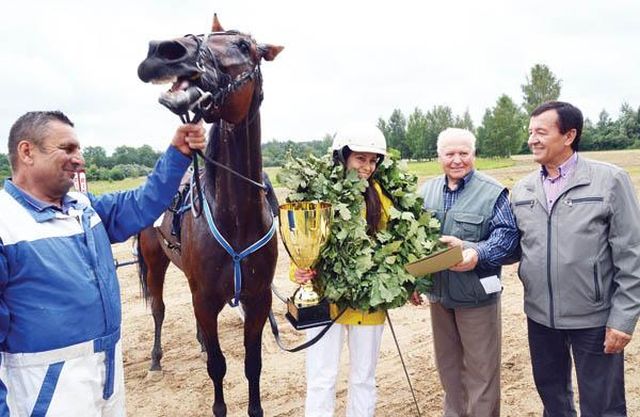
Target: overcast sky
(344,62)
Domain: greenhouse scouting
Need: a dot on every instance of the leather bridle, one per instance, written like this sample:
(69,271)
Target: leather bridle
(203,53)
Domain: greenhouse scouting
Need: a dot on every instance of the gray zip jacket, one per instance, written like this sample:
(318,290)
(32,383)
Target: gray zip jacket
(580,263)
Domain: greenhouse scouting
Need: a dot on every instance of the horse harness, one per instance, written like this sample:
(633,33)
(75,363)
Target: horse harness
(200,102)
(235,256)
(204,52)
(183,202)
(204,101)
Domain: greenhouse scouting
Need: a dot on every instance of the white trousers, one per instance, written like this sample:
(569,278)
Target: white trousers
(65,382)
(322,363)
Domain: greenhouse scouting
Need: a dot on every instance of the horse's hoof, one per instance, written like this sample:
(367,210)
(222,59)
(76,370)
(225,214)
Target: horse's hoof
(154,376)
(203,356)
(256,413)
(219,410)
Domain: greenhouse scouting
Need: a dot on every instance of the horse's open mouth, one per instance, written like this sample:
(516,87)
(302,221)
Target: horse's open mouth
(177,84)
(181,96)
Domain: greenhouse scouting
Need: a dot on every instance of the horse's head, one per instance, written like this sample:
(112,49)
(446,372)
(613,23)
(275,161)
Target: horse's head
(218,73)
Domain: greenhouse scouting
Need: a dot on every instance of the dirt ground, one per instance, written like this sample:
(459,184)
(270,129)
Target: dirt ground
(184,389)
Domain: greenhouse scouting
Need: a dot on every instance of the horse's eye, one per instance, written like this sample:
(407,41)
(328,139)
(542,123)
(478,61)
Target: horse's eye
(244,46)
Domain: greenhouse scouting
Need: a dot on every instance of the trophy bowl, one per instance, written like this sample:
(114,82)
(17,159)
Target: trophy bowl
(305,228)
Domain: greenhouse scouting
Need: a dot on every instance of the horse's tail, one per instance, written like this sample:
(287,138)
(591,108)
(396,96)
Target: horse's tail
(142,270)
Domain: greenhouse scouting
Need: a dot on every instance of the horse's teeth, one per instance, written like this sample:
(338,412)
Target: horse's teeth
(168,80)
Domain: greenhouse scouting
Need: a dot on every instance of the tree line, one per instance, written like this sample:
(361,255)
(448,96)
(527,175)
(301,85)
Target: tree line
(274,153)
(502,133)
(125,162)
(5,168)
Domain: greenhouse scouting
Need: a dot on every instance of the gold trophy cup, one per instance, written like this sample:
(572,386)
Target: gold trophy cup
(305,227)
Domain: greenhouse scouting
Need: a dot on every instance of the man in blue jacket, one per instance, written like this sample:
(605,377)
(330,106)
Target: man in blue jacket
(59,295)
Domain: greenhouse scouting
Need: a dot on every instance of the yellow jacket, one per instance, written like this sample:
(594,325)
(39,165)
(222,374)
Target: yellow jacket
(353,316)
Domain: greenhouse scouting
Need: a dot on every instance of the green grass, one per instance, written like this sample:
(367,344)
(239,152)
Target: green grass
(633,171)
(431,168)
(425,169)
(101,187)
(272,172)
(421,169)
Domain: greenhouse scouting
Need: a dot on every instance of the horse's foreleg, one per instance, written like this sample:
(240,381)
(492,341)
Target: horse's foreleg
(256,315)
(216,364)
(200,338)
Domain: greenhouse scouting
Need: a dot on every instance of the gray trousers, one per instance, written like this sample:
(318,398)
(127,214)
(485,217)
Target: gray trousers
(467,344)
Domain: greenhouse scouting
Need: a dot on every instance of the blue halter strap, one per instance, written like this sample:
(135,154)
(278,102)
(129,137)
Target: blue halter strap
(237,257)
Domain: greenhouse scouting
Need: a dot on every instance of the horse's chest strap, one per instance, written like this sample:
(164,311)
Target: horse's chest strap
(237,257)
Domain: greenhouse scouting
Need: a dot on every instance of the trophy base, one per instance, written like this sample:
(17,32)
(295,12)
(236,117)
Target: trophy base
(306,317)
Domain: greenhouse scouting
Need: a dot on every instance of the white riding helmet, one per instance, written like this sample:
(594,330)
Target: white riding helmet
(361,139)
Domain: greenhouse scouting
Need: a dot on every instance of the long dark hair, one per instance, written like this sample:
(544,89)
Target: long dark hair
(374,208)
(371,197)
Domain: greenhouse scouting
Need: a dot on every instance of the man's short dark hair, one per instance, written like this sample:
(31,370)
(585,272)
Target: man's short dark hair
(32,126)
(569,117)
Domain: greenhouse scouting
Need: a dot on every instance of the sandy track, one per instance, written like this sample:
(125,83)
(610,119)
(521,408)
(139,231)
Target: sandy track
(185,389)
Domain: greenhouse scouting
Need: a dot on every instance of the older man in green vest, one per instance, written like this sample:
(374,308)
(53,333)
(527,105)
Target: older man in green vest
(475,214)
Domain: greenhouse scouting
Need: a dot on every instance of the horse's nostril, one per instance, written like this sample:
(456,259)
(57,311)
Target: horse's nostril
(171,50)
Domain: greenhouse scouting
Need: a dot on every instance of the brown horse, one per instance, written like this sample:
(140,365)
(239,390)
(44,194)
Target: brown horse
(218,75)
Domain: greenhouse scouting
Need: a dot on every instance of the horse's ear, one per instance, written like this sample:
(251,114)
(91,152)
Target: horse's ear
(269,52)
(216,26)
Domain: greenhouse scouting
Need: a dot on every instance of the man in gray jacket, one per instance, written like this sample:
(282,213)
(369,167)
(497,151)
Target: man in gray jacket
(579,222)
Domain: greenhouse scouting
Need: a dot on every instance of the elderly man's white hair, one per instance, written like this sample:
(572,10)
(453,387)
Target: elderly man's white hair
(461,135)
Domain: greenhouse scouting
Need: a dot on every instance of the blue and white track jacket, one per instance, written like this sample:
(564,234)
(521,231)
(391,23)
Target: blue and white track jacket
(58,284)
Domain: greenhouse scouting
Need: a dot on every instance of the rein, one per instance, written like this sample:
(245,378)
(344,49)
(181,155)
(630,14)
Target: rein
(276,333)
(185,118)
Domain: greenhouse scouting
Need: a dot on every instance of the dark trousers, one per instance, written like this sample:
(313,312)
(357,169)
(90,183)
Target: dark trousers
(600,376)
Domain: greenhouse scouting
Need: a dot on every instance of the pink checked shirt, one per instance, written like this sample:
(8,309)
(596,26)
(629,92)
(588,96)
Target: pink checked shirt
(554,186)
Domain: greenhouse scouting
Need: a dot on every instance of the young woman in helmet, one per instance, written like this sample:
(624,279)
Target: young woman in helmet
(361,151)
